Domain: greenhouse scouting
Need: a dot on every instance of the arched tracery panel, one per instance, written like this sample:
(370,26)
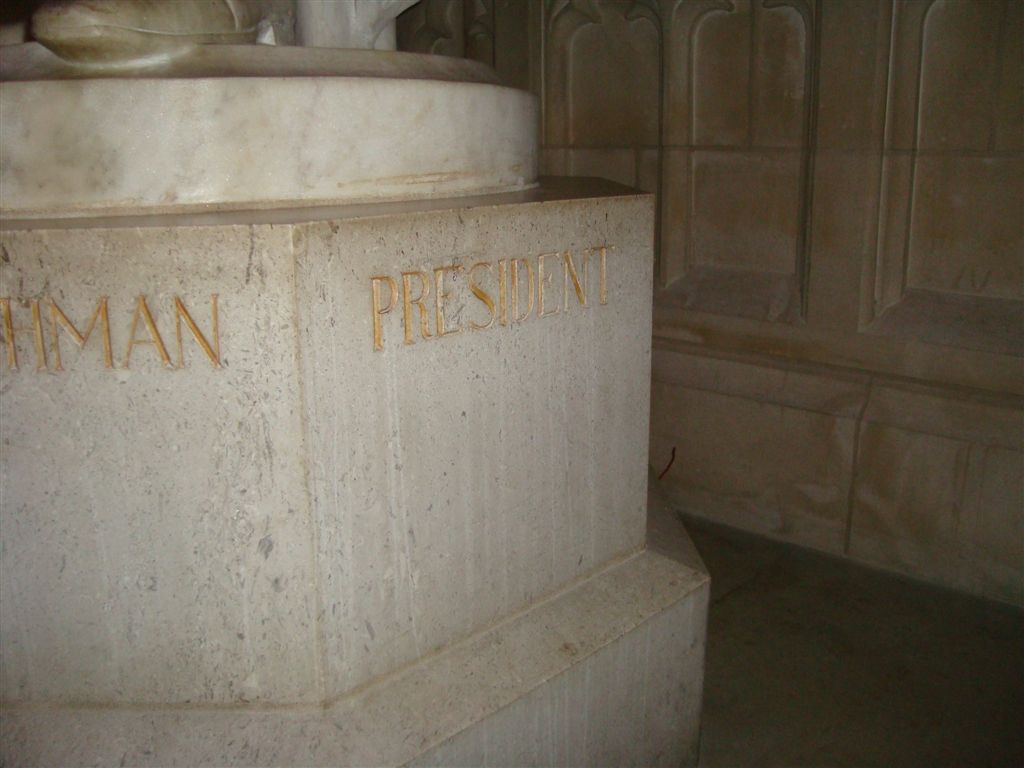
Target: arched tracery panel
(736,181)
(948,265)
(602,62)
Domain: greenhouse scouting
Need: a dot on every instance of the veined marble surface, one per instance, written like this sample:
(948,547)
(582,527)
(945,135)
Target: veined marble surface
(133,145)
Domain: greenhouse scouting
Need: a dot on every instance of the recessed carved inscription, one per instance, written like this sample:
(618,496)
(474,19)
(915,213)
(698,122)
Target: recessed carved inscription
(41,325)
(453,298)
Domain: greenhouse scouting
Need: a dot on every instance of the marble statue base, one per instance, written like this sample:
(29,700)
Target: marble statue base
(349,485)
(237,127)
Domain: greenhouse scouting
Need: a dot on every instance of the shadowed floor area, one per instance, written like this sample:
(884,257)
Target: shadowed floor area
(815,661)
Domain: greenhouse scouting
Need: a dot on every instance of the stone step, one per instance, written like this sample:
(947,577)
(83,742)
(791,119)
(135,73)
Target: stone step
(607,672)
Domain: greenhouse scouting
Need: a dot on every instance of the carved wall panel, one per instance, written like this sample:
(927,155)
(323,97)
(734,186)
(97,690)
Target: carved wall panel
(905,370)
(950,229)
(602,73)
(841,267)
(966,220)
(603,65)
(737,140)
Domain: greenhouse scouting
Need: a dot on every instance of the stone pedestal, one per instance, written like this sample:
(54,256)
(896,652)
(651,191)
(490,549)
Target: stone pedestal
(349,485)
(221,130)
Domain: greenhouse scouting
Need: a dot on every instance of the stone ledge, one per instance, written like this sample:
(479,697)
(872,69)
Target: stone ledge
(549,189)
(894,358)
(598,632)
(985,418)
(924,480)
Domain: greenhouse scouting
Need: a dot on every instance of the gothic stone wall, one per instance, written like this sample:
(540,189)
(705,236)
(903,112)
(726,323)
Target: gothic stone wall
(839,322)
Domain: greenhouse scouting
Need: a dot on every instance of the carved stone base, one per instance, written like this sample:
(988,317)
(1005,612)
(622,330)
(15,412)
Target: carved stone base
(259,468)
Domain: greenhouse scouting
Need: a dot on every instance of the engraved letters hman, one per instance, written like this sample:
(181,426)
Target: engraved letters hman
(41,325)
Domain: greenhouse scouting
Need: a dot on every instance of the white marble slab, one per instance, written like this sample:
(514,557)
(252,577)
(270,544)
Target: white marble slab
(122,145)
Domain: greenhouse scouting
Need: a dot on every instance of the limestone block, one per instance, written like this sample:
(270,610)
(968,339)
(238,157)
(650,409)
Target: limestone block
(844,223)
(734,210)
(764,467)
(951,320)
(745,210)
(963,60)
(905,60)
(893,210)
(256,473)
(615,164)
(851,70)
(749,77)
(156,531)
(554,161)
(862,266)
(966,230)
(602,70)
(990,367)
(735,117)
(938,493)
(951,184)
(936,474)
(471,469)
(781,82)
(795,387)
(721,80)
(987,421)
(770,296)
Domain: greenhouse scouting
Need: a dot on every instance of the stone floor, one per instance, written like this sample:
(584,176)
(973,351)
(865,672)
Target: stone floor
(814,661)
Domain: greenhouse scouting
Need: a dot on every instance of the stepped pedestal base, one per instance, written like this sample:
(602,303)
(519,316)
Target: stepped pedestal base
(339,486)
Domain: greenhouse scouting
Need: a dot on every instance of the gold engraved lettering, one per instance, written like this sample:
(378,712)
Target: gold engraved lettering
(180,313)
(378,310)
(503,292)
(12,351)
(142,310)
(603,289)
(515,289)
(10,329)
(58,320)
(543,279)
(522,283)
(37,336)
(420,301)
(439,296)
(481,294)
(570,273)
